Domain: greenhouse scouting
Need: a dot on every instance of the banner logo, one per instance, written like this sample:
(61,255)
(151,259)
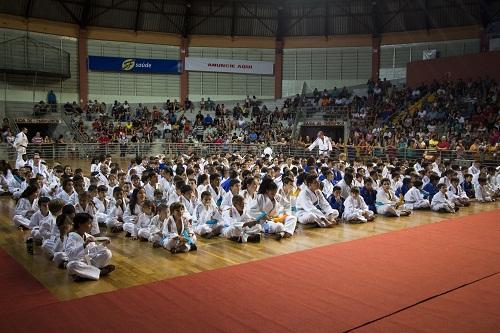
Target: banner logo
(128,64)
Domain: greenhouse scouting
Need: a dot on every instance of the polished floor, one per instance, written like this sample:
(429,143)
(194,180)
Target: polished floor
(138,263)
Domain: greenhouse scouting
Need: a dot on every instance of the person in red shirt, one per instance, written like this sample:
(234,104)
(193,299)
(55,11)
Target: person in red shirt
(443,144)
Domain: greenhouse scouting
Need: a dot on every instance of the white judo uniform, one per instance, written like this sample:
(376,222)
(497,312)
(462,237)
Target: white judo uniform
(386,204)
(91,210)
(85,261)
(355,209)
(482,193)
(203,214)
(115,214)
(171,235)
(24,210)
(130,219)
(263,204)
(35,223)
(155,229)
(142,225)
(324,145)
(312,207)
(233,225)
(415,199)
(441,202)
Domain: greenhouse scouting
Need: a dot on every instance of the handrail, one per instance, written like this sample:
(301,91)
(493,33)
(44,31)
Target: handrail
(76,132)
(172,150)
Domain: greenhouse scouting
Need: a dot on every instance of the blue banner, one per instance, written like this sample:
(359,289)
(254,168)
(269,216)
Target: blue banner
(134,65)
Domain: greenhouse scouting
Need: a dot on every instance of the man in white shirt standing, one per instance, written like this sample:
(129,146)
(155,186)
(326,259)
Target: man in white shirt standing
(324,144)
(21,143)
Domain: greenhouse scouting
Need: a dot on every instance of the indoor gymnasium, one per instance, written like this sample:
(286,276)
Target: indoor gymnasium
(250,165)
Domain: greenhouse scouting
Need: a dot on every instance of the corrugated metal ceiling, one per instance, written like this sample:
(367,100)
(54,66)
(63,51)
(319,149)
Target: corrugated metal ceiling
(255,17)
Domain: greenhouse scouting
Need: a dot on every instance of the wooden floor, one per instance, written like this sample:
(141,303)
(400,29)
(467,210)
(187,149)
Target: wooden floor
(138,263)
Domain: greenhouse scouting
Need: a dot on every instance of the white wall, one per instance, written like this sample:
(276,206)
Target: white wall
(393,58)
(27,88)
(325,68)
(133,87)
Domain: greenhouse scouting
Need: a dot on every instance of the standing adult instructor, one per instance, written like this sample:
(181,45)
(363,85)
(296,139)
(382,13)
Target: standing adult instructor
(21,143)
(323,143)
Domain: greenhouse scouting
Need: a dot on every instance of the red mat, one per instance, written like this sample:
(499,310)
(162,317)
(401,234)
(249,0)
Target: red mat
(473,308)
(328,289)
(20,290)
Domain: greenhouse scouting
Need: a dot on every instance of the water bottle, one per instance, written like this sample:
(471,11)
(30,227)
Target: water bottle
(29,246)
(293,204)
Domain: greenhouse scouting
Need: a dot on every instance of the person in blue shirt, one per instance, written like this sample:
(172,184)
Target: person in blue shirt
(404,187)
(468,187)
(336,201)
(369,194)
(208,120)
(431,186)
(52,100)
(227,183)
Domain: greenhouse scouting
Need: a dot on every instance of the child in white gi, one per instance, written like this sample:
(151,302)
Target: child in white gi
(265,207)
(312,207)
(415,198)
(86,259)
(178,236)
(234,189)
(207,219)
(387,203)
(86,205)
(117,207)
(355,208)
(481,191)
(26,207)
(134,208)
(37,218)
(238,225)
(441,202)
(457,194)
(157,224)
(144,221)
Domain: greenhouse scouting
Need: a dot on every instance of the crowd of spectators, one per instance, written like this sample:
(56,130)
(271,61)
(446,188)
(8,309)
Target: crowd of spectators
(459,116)
(455,116)
(246,122)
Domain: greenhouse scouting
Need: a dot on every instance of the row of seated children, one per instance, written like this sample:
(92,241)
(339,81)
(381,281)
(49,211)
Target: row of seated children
(64,235)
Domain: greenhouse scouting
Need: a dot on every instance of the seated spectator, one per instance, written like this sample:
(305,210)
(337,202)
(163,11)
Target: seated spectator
(37,139)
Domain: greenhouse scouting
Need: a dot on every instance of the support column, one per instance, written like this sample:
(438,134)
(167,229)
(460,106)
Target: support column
(278,70)
(83,76)
(184,88)
(484,41)
(376,40)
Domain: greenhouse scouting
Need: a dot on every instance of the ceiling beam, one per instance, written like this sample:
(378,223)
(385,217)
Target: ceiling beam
(255,16)
(376,25)
(395,14)
(326,28)
(137,14)
(211,14)
(28,9)
(70,12)
(306,14)
(339,5)
(160,11)
(280,29)
(186,27)
(484,13)
(86,13)
(233,19)
(105,10)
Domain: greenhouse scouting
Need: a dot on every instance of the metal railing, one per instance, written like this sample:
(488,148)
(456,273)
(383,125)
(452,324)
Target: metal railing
(86,151)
